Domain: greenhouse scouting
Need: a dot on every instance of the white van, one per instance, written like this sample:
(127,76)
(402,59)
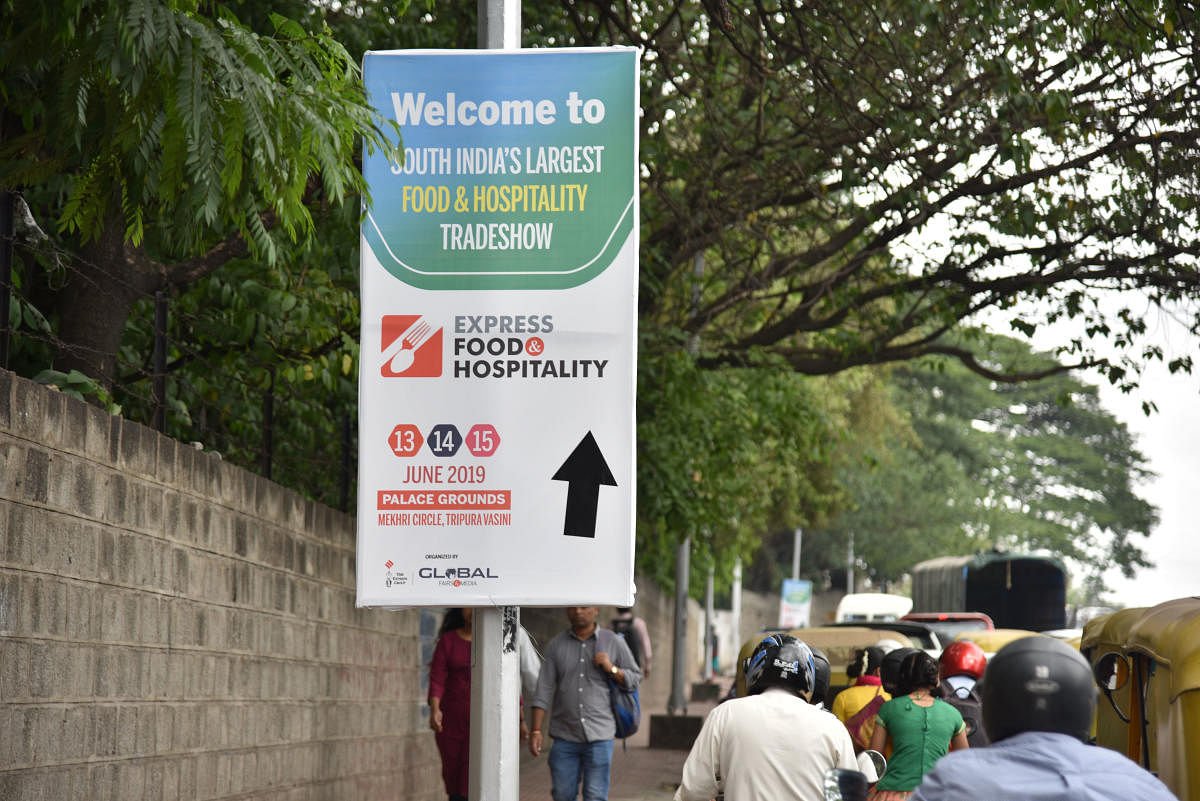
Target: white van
(872,606)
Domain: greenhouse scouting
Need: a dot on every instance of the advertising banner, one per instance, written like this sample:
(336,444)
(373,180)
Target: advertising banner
(499,330)
(795,604)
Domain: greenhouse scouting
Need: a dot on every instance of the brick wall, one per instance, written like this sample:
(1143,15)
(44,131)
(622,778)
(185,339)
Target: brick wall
(172,626)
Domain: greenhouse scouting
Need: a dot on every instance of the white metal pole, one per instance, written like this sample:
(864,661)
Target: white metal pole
(677,702)
(850,565)
(709,625)
(735,604)
(495,663)
(499,25)
(495,699)
(796,541)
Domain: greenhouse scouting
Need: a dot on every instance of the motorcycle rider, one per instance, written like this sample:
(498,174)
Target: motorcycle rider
(1038,703)
(822,675)
(773,743)
(960,665)
(890,675)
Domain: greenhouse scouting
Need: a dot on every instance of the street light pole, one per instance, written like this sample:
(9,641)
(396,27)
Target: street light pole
(709,625)
(677,703)
(796,542)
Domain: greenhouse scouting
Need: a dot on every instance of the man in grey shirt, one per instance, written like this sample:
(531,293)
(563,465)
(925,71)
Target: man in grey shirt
(573,684)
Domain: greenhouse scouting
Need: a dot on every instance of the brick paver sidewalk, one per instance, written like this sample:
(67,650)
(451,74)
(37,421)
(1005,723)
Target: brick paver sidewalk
(639,773)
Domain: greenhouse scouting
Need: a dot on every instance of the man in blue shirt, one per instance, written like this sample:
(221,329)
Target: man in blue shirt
(573,684)
(1038,703)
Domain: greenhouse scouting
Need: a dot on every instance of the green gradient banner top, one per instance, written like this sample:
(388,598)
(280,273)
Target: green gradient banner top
(519,168)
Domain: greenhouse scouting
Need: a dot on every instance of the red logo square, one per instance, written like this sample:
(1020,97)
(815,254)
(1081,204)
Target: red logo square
(411,347)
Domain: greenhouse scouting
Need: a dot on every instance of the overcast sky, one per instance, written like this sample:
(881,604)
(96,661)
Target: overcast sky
(1170,440)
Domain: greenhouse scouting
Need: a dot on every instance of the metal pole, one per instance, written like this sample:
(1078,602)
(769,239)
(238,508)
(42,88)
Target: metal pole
(709,625)
(495,711)
(499,25)
(799,535)
(677,703)
(495,664)
(735,604)
(850,565)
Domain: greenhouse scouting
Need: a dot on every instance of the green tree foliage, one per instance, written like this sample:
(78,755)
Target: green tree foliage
(862,176)
(158,144)
(1033,466)
(869,430)
(171,147)
(205,151)
(724,454)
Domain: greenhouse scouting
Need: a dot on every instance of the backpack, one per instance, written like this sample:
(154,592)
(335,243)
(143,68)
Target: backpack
(970,706)
(626,706)
(623,627)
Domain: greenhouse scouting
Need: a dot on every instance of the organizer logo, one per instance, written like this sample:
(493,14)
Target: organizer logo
(411,347)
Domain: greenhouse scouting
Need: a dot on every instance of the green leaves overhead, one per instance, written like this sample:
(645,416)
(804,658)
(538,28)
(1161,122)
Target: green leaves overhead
(181,126)
(1034,466)
(858,178)
(723,455)
(862,177)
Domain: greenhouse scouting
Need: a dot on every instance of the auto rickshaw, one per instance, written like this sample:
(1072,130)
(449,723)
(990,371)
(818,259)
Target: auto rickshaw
(1147,663)
(836,642)
(992,640)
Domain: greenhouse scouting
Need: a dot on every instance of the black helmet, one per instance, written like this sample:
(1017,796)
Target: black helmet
(1037,684)
(918,670)
(780,661)
(821,676)
(889,671)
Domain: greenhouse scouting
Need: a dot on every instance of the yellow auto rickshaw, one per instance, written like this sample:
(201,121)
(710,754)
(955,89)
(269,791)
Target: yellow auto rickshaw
(992,640)
(1147,663)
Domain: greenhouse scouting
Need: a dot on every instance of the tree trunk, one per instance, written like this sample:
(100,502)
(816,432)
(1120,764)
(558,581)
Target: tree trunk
(94,306)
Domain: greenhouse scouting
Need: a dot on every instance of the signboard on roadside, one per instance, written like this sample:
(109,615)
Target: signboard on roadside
(499,330)
(795,604)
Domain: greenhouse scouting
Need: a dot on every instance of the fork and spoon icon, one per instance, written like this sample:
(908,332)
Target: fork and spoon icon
(399,355)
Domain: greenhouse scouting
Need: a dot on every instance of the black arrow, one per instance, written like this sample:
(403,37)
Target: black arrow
(584,471)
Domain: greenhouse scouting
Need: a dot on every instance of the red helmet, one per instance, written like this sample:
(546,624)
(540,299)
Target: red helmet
(962,658)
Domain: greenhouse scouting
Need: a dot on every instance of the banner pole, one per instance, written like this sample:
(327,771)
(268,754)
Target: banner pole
(495,666)
(495,698)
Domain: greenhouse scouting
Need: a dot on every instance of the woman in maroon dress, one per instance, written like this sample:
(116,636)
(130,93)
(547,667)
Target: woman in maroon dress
(450,699)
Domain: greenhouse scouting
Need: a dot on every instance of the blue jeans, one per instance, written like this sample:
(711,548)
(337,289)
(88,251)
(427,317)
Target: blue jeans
(570,762)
